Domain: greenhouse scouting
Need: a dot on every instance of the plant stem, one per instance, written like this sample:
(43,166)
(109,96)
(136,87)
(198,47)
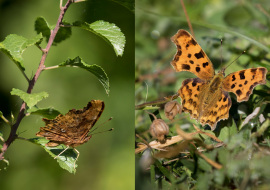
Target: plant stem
(52,67)
(156,102)
(5,120)
(187,17)
(13,133)
(25,76)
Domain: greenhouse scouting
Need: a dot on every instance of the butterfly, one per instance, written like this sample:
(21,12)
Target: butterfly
(206,98)
(72,128)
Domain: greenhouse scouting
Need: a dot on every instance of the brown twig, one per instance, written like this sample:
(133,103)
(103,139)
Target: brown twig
(189,136)
(262,9)
(208,134)
(187,17)
(209,161)
(156,102)
(187,154)
(146,143)
(13,133)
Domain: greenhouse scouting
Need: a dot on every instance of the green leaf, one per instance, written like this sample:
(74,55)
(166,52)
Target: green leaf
(228,131)
(204,165)
(108,31)
(29,99)
(204,180)
(188,163)
(1,139)
(13,46)
(219,176)
(223,156)
(129,4)
(42,26)
(94,69)
(4,164)
(66,160)
(164,171)
(48,113)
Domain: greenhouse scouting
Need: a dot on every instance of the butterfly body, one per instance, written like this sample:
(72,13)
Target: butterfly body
(206,98)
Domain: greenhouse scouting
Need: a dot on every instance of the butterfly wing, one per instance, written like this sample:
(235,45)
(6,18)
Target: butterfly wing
(190,56)
(72,129)
(190,92)
(218,109)
(242,83)
(79,122)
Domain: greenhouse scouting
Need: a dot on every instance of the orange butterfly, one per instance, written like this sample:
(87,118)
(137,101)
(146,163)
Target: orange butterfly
(206,98)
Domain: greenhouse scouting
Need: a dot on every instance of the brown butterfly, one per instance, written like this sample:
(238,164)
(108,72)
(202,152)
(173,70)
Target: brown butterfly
(72,128)
(206,98)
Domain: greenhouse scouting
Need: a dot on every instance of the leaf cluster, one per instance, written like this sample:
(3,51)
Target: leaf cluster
(15,45)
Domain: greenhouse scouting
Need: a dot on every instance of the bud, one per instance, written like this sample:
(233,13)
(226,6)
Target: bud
(159,129)
(171,109)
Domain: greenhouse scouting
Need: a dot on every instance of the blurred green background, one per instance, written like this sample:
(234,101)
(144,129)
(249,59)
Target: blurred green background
(107,160)
(242,25)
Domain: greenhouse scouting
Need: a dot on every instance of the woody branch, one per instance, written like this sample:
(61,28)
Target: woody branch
(32,82)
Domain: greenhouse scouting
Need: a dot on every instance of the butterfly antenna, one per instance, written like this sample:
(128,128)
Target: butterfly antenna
(234,60)
(102,124)
(221,51)
(103,131)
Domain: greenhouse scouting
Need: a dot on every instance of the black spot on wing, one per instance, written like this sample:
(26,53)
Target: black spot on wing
(245,82)
(179,52)
(198,69)
(233,78)
(263,70)
(253,71)
(190,61)
(232,86)
(205,64)
(176,58)
(184,33)
(184,83)
(192,41)
(185,67)
(189,55)
(238,92)
(199,55)
(242,75)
